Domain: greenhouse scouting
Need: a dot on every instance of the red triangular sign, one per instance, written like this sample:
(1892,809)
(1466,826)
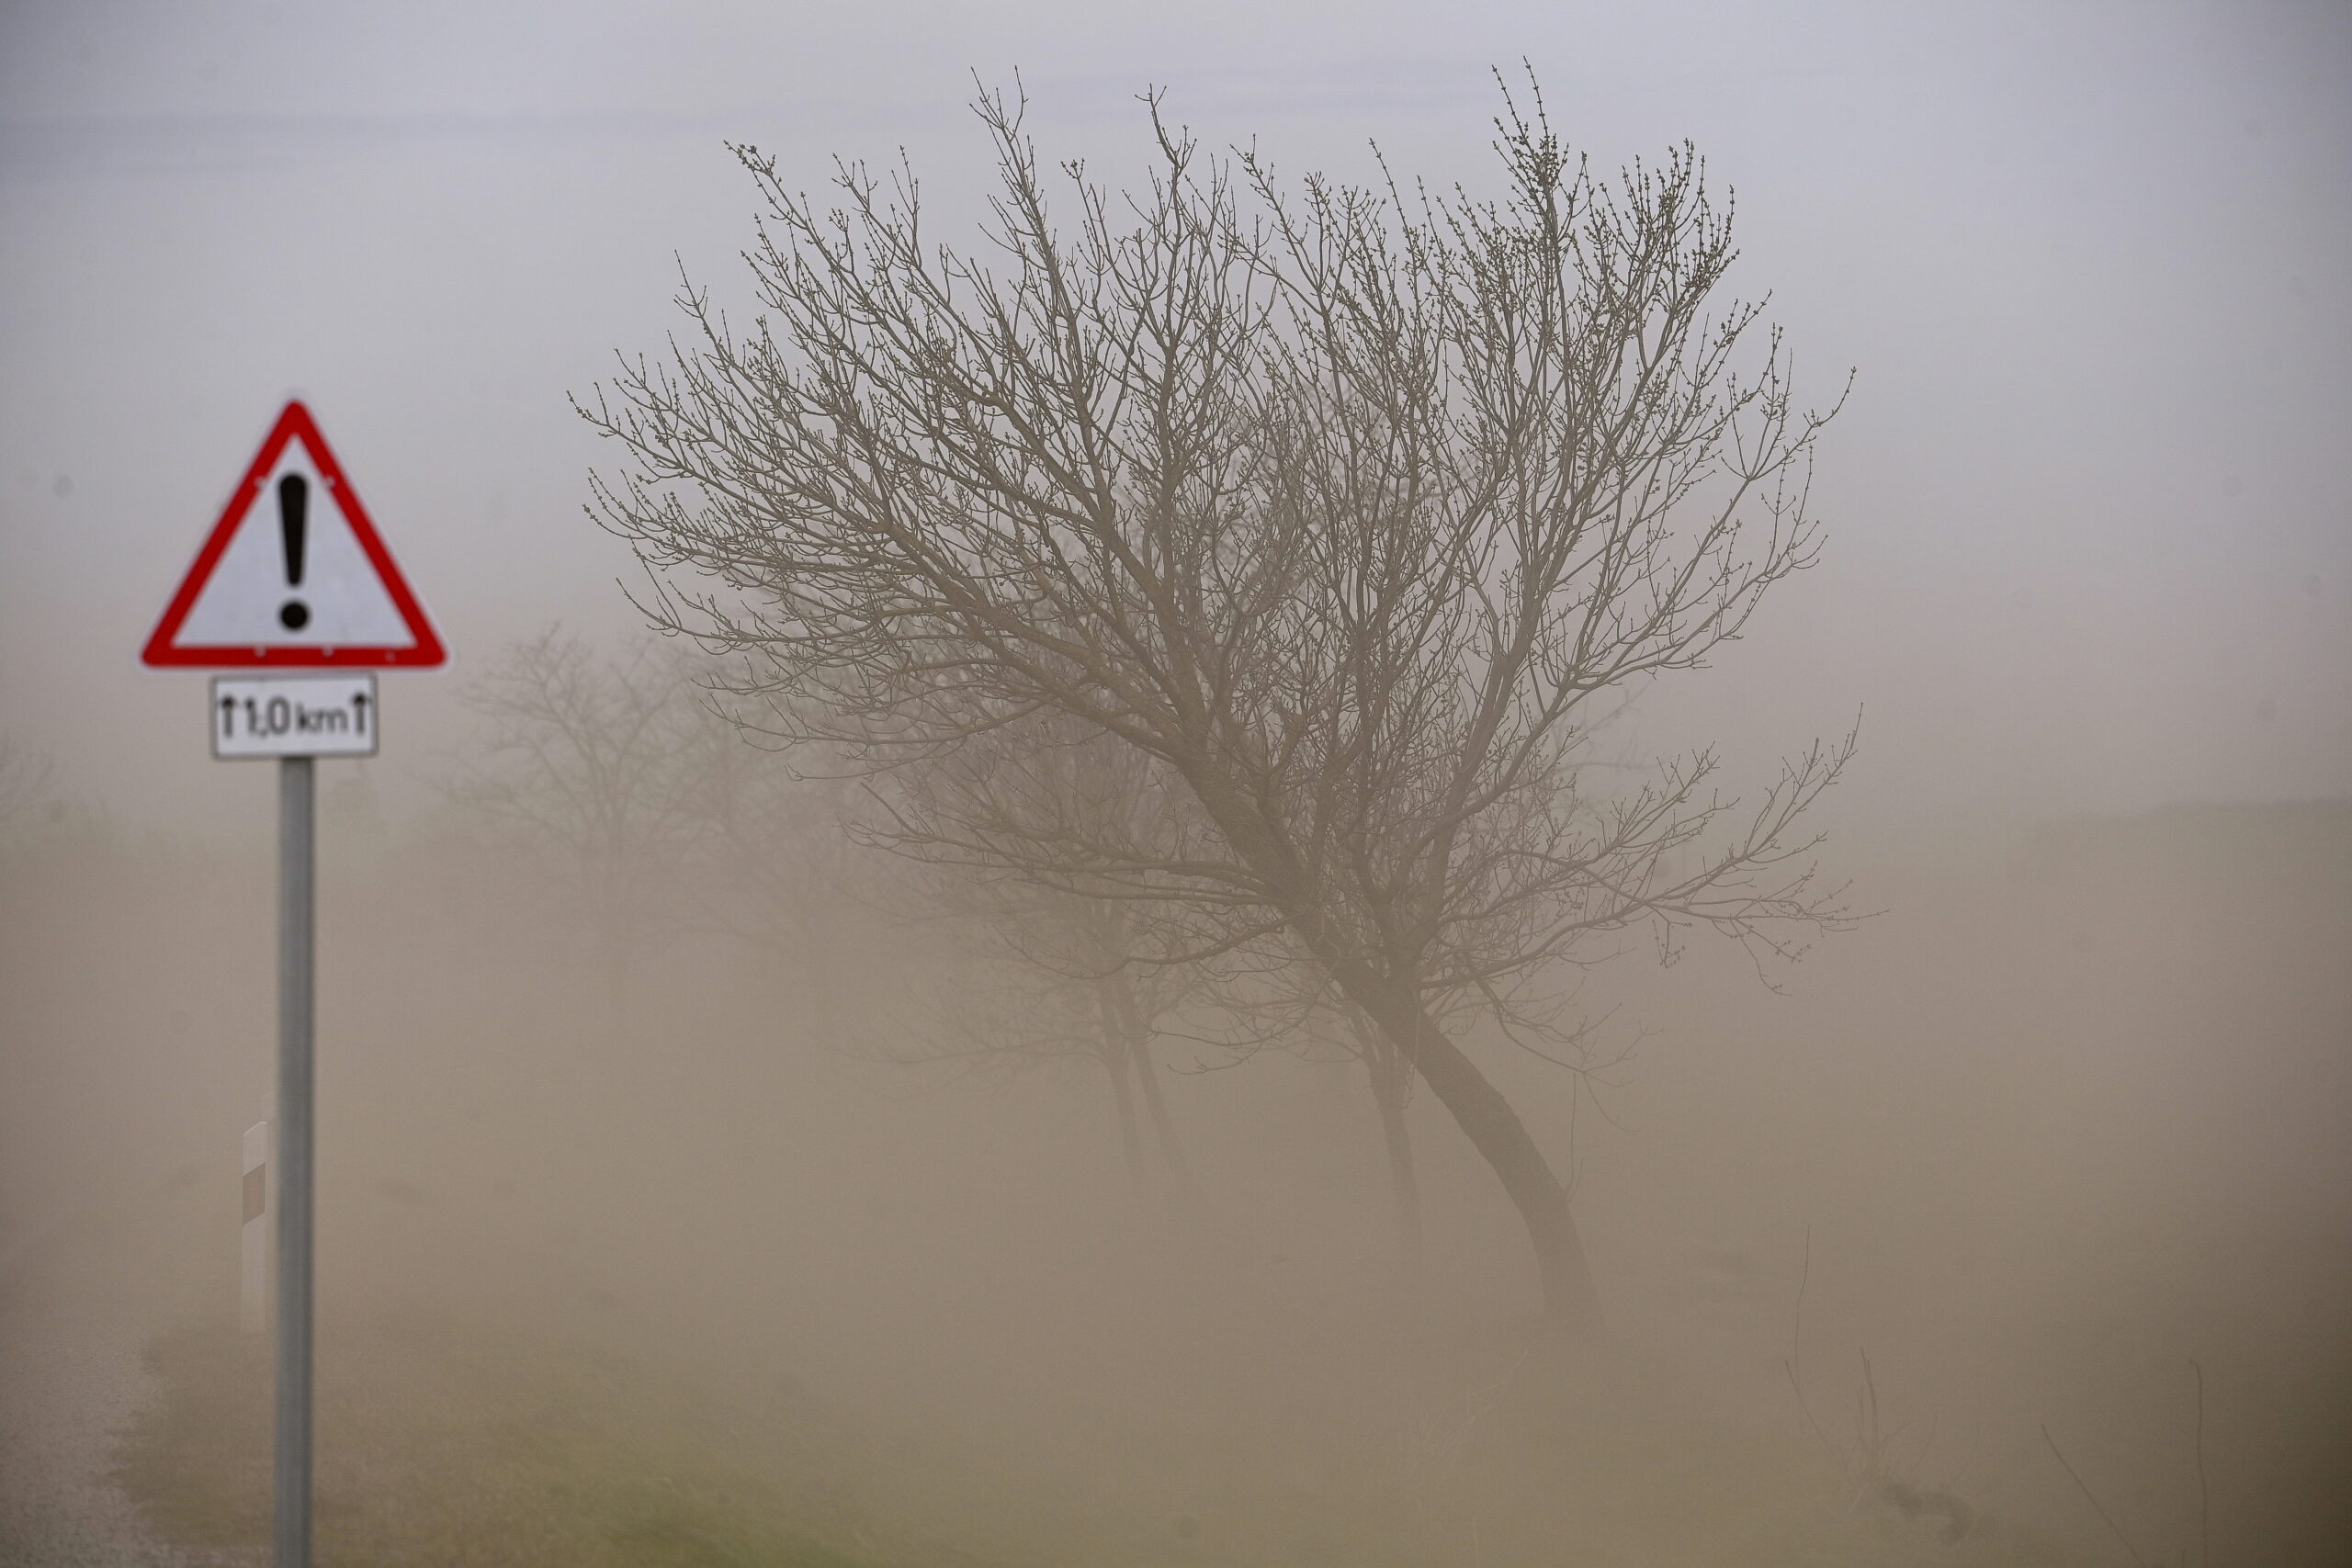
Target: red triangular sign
(294,575)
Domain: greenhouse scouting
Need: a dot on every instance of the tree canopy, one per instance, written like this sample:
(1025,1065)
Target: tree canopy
(1345,509)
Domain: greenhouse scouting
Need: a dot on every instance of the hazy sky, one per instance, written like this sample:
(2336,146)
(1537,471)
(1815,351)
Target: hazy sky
(2089,545)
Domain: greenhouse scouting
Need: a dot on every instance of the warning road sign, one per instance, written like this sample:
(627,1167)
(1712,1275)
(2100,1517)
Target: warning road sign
(294,575)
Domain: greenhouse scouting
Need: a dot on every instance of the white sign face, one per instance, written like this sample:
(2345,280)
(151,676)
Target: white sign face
(293,716)
(295,574)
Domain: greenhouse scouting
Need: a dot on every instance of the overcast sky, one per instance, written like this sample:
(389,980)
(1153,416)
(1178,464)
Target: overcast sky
(2088,547)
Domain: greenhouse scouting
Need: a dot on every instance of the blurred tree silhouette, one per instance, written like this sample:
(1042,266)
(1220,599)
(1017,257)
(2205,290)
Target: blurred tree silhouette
(1343,509)
(600,764)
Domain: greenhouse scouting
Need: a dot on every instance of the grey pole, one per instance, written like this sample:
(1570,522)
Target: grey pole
(296,887)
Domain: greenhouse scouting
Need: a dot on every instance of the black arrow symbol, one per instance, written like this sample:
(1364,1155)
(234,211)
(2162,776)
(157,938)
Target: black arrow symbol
(359,704)
(228,717)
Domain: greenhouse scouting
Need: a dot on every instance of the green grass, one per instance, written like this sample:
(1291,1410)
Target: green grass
(449,1446)
(436,1446)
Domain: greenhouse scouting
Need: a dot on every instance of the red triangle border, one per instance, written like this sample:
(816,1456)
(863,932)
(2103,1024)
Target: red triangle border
(425,652)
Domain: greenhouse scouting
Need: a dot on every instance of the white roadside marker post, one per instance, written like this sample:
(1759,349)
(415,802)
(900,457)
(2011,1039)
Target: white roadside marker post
(253,1242)
(310,600)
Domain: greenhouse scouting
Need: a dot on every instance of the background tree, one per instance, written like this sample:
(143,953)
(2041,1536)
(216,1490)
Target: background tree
(1049,985)
(771,864)
(600,764)
(1340,508)
(1080,931)
(1390,1078)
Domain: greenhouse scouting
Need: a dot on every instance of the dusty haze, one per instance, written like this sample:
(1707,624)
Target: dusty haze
(2069,1115)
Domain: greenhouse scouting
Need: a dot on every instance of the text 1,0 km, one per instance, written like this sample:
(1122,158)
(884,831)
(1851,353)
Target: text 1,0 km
(281,717)
(297,716)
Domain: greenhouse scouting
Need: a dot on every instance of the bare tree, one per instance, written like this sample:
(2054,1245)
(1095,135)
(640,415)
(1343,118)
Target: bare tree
(772,865)
(1124,956)
(1389,1076)
(601,763)
(1055,986)
(1276,998)
(1342,508)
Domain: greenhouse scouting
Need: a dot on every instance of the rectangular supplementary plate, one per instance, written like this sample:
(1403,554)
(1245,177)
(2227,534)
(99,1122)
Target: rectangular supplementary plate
(294,715)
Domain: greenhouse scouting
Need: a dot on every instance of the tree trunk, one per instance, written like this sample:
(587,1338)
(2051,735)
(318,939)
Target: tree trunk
(1477,1107)
(1113,1056)
(613,951)
(1389,1081)
(1137,1036)
(1497,1133)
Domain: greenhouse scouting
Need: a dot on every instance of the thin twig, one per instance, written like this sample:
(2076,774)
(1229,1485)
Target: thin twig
(1869,1386)
(2204,1498)
(1796,1334)
(2091,1498)
(1796,1322)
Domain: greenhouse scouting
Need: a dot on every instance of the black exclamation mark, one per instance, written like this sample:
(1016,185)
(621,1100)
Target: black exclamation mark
(293,499)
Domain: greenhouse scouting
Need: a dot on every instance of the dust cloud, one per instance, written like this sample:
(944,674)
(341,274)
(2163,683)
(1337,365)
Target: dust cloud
(2052,1137)
(671,1209)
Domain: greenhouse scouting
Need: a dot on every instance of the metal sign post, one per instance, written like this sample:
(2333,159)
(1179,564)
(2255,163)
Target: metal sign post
(280,584)
(296,1098)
